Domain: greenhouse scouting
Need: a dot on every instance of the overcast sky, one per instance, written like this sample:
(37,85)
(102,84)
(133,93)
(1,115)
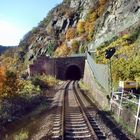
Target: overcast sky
(17,17)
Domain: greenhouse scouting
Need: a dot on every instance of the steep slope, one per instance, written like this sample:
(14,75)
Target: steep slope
(51,32)
(120,17)
(75,26)
(106,19)
(119,27)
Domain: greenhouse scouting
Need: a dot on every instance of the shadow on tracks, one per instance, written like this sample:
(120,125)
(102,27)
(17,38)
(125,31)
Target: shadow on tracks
(115,128)
(105,117)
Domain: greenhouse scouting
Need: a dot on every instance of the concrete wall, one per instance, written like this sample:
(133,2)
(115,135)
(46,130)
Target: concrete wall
(96,91)
(101,72)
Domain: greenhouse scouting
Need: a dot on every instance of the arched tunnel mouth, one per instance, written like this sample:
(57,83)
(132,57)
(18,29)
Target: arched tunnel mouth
(73,73)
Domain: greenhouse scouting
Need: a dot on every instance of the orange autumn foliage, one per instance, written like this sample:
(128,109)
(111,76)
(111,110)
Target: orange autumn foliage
(90,23)
(2,76)
(62,51)
(102,2)
(101,7)
(70,34)
(80,27)
(10,85)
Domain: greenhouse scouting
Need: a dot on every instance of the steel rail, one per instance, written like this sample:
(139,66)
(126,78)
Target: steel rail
(83,112)
(96,128)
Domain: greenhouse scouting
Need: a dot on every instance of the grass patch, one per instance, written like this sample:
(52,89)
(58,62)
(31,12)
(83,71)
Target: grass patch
(45,81)
(125,126)
(23,135)
(83,86)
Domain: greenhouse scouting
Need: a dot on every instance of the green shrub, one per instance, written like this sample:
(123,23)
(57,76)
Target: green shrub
(125,62)
(51,47)
(10,85)
(28,88)
(83,86)
(135,35)
(82,49)
(50,81)
(75,46)
(44,81)
(23,135)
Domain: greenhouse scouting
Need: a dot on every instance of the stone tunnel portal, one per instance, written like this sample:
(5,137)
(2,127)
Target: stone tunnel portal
(73,72)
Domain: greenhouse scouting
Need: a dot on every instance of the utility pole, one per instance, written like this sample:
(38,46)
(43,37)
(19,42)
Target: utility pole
(110,69)
(108,54)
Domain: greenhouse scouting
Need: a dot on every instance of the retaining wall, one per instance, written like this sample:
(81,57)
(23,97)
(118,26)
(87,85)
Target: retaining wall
(96,92)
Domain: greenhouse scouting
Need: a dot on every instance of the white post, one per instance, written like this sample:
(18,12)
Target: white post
(137,117)
(120,105)
(111,99)
(28,71)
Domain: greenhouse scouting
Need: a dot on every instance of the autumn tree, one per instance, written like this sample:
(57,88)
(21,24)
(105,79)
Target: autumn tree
(101,7)
(126,58)
(90,23)
(80,27)
(70,34)
(27,87)
(74,46)
(2,76)
(62,50)
(10,85)
(102,2)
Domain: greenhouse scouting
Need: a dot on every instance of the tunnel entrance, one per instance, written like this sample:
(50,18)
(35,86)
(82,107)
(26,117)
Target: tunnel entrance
(73,73)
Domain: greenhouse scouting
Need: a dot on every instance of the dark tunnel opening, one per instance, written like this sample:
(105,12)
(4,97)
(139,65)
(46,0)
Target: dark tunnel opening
(73,73)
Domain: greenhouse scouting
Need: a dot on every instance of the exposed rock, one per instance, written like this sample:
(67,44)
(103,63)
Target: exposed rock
(86,5)
(118,16)
(75,4)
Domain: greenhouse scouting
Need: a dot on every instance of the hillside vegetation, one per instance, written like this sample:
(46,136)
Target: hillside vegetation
(72,27)
(126,61)
(4,48)
(75,26)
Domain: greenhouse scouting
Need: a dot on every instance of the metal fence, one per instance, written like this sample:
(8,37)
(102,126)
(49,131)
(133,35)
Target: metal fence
(120,99)
(100,72)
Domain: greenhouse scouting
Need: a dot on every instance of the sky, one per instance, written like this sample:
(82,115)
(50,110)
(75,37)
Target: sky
(17,17)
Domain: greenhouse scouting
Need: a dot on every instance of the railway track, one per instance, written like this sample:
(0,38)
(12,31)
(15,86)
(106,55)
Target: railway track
(57,129)
(73,121)
(90,113)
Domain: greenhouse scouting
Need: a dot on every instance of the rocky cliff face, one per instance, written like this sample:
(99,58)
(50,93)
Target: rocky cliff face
(119,17)
(112,18)
(50,33)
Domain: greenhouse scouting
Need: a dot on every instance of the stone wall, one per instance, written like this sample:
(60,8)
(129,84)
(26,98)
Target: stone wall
(62,65)
(42,65)
(56,66)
